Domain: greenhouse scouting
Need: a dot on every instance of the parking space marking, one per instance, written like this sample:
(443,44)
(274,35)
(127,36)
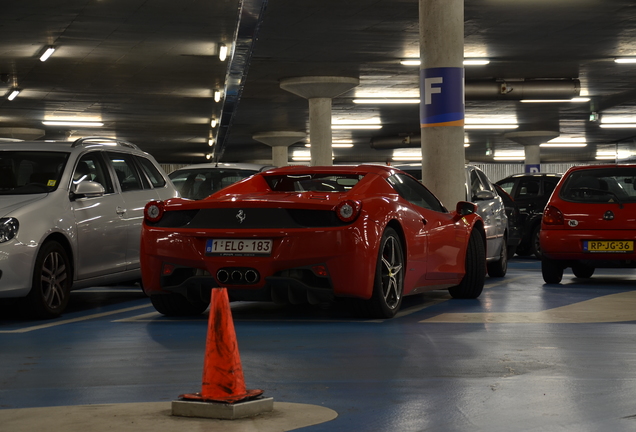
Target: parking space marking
(73,320)
(610,308)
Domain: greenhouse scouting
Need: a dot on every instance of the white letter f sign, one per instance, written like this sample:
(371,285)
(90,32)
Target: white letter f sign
(430,90)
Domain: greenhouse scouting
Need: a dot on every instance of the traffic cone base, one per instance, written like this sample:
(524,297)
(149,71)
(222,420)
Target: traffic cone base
(248,395)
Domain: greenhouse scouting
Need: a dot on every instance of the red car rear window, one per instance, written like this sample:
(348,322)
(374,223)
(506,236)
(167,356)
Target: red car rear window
(601,185)
(313,182)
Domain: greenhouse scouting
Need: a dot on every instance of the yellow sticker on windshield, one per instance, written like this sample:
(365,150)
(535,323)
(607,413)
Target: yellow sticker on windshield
(51,183)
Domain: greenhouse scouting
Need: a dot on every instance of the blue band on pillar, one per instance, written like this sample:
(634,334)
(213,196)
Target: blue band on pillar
(442,97)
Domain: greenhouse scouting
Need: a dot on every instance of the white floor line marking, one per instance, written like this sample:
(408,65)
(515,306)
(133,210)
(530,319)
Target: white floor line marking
(73,320)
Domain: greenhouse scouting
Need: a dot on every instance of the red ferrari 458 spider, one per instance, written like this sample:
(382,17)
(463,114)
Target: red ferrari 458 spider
(312,234)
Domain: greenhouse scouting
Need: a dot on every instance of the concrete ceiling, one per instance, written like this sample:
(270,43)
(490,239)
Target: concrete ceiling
(148,70)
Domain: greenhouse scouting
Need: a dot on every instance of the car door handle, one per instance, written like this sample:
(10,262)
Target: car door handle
(120,211)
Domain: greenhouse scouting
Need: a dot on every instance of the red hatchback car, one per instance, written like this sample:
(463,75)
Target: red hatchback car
(589,222)
(310,235)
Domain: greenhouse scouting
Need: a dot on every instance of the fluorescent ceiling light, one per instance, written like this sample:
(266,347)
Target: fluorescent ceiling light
(222,52)
(509,158)
(573,100)
(213,122)
(72,123)
(46,54)
(336,145)
(211,142)
(387,101)
(208,156)
(217,95)
(407,154)
(618,125)
(625,60)
(565,142)
(491,120)
(467,62)
(356,126)
(491,126)
(14,94)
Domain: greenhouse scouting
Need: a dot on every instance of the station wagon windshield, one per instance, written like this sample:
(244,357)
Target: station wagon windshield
(30,172)
(313,182)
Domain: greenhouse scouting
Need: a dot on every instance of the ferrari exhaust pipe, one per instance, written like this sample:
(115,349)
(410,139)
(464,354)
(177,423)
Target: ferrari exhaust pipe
(223,276)
(251,276)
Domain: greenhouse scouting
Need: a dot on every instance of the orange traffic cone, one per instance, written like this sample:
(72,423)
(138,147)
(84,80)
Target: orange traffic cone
(222,372)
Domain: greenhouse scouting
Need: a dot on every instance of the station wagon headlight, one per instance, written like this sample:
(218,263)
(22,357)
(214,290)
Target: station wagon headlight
(8,229)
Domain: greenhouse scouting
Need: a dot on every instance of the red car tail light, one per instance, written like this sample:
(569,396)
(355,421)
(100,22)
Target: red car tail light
(348,210)
(552,216)
(153,211)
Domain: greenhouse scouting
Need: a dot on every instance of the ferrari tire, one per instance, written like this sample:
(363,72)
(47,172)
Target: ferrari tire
(51,283)
(552,271)
(178,305)
(500,267)
(388,285)
(582,271)
(472,283)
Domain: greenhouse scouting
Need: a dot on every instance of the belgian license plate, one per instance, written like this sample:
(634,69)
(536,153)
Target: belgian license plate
(236,247)
(608,246)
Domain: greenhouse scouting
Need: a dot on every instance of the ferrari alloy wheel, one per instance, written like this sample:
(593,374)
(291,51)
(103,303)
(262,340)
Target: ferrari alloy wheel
(582,271)
(51,286)
(179,305)
(500,267)
(389,278)
(552,271)
(472,283)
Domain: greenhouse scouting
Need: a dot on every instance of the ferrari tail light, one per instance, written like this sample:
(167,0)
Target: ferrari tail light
(153,211)
(320,270)
(552,216)
(348,211)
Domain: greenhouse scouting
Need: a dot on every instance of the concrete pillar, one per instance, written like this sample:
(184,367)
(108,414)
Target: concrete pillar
(279,141)
(531,141)
(442,98)
(319,90)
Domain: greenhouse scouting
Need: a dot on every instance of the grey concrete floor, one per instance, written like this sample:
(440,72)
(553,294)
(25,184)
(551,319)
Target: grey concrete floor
(525,356)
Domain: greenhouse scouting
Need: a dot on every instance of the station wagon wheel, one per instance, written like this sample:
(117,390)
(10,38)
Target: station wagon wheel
(388,285)
(472,283)
(552,271)
(535,242)
(500,267)
(52,280)
(582,271)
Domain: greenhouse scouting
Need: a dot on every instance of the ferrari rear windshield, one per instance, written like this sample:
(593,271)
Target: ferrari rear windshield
(313,182)
(601,185)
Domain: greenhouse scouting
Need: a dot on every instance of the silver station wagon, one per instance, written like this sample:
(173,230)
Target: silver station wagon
(70,217)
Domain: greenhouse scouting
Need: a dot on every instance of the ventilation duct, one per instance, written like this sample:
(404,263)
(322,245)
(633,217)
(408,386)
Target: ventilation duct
(523,89)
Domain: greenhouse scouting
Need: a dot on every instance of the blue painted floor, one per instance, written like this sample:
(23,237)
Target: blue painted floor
(508,361)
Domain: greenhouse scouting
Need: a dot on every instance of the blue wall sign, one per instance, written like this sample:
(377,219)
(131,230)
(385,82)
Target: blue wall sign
(442,97)
(532,168)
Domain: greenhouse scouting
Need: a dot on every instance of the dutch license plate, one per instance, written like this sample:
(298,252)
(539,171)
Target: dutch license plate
(233,247)
(608,246)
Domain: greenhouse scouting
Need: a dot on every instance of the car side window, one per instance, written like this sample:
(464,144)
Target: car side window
(476,185)
(91,167)
(415,192)
(127,175)
(528,187)
(151,171)
(507,186)
(549,185)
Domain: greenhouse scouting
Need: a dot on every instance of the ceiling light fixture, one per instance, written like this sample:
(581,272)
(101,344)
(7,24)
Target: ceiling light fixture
(336,145)
(211,142)
(13,93)
(356,126)
(467,62)
(565,142)
(217,95)
(72,123)
(213,122)
(222,52)
(491,126)
(208,156)
(625,60)
(387,101)
(573,100)
(47,53)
